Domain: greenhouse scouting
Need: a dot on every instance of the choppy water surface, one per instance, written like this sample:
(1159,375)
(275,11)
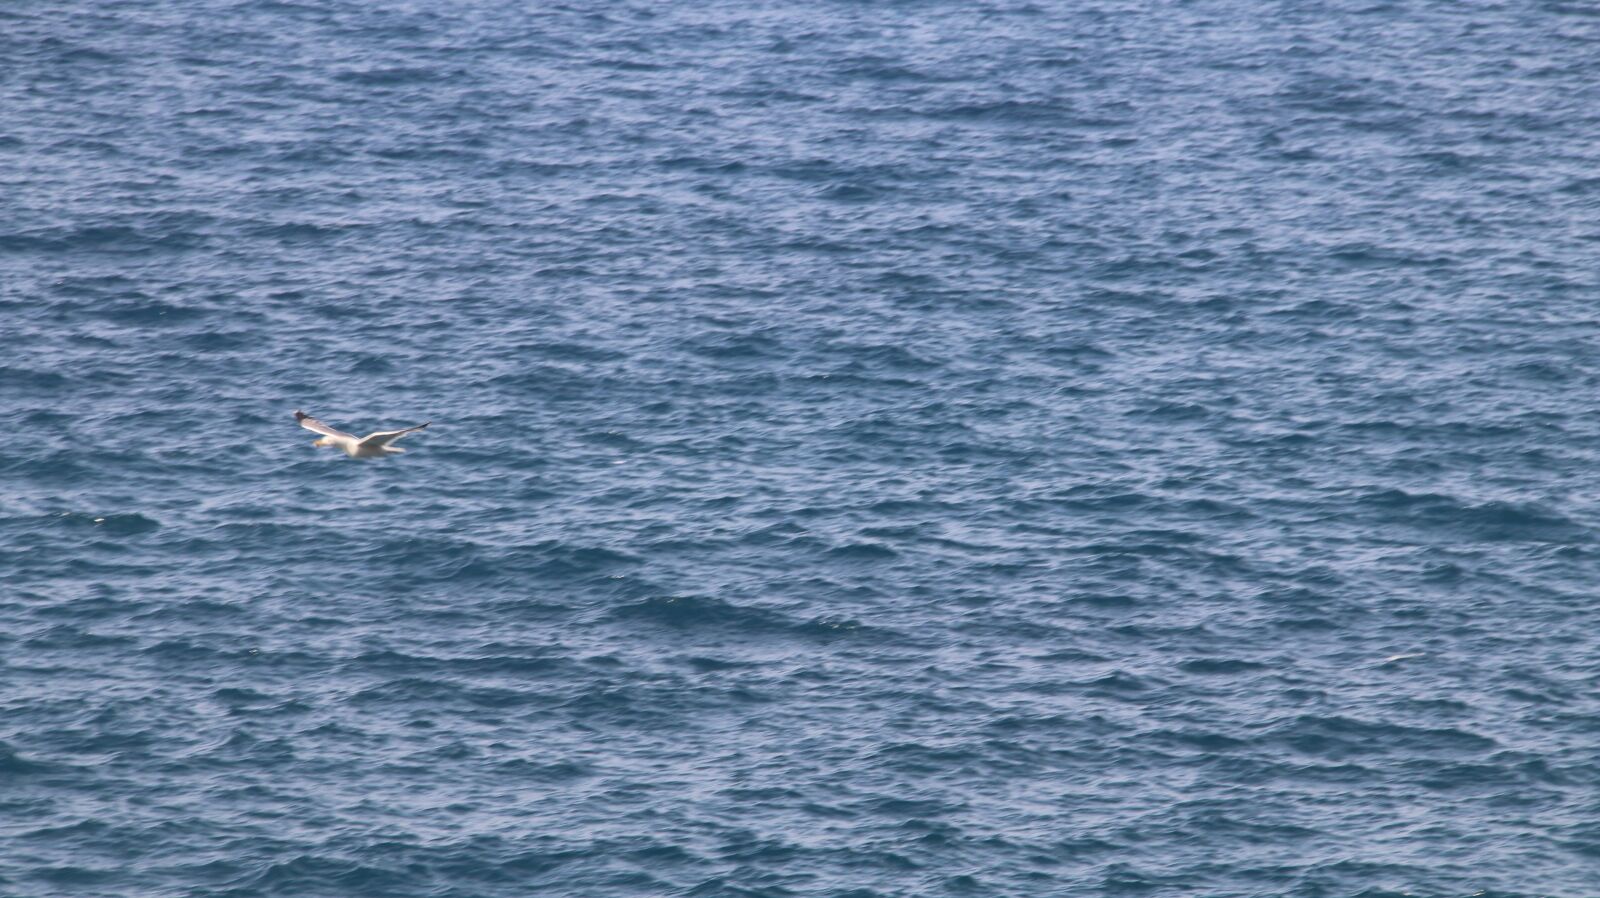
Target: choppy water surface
(878,450)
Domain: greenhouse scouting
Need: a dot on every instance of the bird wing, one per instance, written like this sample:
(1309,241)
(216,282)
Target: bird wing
(312,424)
(385,437)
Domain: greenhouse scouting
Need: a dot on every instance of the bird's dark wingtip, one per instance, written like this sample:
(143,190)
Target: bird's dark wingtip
(300,416)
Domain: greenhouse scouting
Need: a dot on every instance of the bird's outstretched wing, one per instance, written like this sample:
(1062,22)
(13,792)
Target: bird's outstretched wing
(312,424)
(385,437)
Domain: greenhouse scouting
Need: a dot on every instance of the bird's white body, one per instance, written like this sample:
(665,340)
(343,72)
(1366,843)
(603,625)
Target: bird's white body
(353,448)
(373,445)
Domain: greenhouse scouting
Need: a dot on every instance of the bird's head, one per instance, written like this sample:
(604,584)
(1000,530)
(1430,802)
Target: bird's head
(321,441)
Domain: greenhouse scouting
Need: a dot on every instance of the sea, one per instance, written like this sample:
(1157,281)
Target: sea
(877,449)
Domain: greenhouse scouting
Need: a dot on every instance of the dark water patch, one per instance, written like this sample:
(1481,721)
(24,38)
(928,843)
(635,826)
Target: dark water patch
(393,76)
(170,233)
(300,232)
(863,552)
(241,744)
(33,380)
(1496,521)
(570,352)
(308,873)
(149,314)
(111,524)
(425,692)
(65,637)
(218,343)
(14,764)
(704,664)
(1204,741)
(1220,666)
(560,561)
(851,193)
(509,664)
(1007,112)
(1338,738)
(703,612)
(533,771)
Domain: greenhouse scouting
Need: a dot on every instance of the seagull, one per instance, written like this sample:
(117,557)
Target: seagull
(373,445)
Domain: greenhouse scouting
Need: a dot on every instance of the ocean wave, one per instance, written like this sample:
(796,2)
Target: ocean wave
(994,449)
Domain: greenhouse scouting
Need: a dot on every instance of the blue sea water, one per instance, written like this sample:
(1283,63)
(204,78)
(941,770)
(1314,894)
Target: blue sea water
(879,449)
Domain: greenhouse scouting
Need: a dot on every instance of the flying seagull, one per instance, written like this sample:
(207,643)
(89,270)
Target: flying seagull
(373,445)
